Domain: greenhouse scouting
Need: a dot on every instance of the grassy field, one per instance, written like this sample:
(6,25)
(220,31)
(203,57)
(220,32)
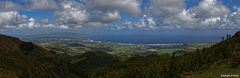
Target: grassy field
(121,50)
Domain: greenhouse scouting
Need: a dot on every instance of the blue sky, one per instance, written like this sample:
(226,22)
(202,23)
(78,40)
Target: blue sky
(125,20)
(120,14)
(39,15)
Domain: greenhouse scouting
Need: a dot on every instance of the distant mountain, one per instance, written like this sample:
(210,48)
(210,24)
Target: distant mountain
(55,36)
(212,62)
(19,59)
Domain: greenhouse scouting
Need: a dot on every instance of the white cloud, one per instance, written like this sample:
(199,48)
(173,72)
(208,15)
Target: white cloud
(213,20)
(29,5)
(12,18)
(183,18)
(72,15)
(96,24)
(171,12)
(147,22)
(166,8)
(209,9)
(63,27)
(130,6)
(9,6)
(209,13)
(42,5)
(102,13)
(111,16)
(76,15)
(31,23)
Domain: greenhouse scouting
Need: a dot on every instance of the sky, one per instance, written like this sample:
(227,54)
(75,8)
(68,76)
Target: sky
(119,14)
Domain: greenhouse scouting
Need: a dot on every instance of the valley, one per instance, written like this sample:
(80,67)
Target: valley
(119,38)
(120,49)
(94,59)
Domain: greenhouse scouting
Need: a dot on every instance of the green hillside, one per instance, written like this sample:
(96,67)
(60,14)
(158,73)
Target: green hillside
(20,59)
(208,62)
(84,64)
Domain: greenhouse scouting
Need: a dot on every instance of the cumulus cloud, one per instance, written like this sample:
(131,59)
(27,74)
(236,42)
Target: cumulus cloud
(171,12)
(166,8)
(147,22)
(71,15)
(31,23)
(77,15)
(12,19)
(63,27)
(183,18)
(111,16)
(85,13)
(210,8)
(42,5)
(9,6)
(129,6)
(232,20)
(208,13)
(103,17)
(29,5)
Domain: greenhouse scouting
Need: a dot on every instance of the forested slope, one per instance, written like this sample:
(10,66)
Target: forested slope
(225,54)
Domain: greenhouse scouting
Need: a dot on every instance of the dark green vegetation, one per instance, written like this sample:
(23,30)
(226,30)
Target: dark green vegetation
(84,64)
(25,60)
(222,56)
(20,59)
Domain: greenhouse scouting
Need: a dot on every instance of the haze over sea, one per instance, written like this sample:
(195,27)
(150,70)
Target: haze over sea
(136,36)
(161,37)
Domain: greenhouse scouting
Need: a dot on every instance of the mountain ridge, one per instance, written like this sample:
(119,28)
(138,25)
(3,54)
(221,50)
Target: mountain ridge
(224,55)
(19,59)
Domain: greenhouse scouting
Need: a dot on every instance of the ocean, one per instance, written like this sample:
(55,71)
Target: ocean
(161,37)
(164,36)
